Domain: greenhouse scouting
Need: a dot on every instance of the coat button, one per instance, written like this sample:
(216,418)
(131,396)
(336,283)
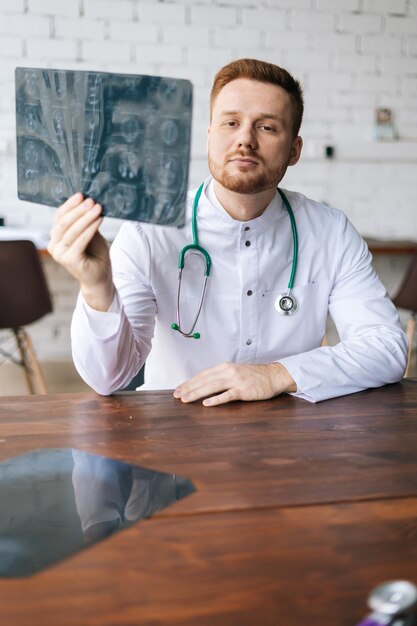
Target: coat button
(248,342)
(247,243)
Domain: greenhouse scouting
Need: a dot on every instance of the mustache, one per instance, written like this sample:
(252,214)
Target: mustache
(244,154)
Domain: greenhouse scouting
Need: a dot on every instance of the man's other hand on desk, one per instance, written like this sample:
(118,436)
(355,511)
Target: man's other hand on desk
(78,246)
(234,381)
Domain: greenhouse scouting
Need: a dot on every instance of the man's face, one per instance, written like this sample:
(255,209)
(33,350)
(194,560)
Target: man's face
(250,141)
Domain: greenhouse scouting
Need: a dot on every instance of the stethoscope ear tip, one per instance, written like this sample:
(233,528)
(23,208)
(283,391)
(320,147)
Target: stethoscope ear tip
(175,326)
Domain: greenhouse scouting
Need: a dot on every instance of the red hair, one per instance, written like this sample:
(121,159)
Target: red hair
(264,73)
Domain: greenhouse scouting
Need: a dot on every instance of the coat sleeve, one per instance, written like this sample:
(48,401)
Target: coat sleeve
(109,348)
(373,348)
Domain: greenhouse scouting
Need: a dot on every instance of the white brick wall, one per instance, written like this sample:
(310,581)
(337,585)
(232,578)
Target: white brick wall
(342,5)
(396,7)
(25,25)
(117,51)
(280,4)
(383,45)
(12,47)
(350,55)
(113,9)
(311,21)
(51,7)
(203,15)
(159,54)
(47,49)
(190,34)
(401,25)
(275,19)
(334,42)
(164,13)
(134,31)
(359,23)
(82,28)
(412,45)
(18,6)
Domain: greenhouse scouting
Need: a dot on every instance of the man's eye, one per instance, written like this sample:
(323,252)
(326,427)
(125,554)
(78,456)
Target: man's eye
(268,128)
(231,124)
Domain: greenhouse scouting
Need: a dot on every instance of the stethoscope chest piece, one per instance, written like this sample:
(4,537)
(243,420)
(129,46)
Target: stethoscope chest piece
(393,604)
(393,597)
(286,304)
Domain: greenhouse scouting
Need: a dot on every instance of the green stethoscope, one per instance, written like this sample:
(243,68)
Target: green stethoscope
(286,303)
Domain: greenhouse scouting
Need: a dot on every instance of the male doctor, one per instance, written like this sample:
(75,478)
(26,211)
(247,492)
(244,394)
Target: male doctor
(247,349)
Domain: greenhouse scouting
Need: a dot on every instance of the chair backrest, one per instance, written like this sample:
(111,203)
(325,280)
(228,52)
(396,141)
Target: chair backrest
(24,294)
(406,297)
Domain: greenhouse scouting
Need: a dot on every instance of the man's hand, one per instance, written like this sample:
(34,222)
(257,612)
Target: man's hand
(234,381)
(78,246)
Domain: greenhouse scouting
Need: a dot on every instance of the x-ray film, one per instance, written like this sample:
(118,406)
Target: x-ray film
(121,139)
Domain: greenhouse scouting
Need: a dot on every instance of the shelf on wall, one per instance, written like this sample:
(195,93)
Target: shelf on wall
(405,151)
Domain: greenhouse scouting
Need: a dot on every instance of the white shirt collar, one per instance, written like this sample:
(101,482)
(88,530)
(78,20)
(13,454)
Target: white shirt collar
(210,212)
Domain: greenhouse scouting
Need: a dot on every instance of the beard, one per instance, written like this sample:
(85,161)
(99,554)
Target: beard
(244,181)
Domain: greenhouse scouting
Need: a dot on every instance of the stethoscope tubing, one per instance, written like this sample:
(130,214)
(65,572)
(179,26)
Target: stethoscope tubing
(294,238)
(286,303)
(190,333)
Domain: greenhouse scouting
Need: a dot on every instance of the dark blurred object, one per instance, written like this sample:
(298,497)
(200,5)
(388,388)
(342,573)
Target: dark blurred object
(24,298)
(137,381)
(329,152)
(406,298)
(1,221)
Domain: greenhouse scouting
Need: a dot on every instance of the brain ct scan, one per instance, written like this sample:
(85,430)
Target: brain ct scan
(121,139)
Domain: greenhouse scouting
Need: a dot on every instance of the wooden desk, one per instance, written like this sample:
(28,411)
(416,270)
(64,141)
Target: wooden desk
(300,510)
(391,247)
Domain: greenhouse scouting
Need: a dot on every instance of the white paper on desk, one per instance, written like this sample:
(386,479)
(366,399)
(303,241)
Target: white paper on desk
(39,237)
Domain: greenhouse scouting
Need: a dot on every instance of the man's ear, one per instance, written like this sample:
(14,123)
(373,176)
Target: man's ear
(297,146)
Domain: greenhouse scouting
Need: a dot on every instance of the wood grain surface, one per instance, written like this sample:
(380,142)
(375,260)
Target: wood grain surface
(300,509)
(275,453)
(278,567)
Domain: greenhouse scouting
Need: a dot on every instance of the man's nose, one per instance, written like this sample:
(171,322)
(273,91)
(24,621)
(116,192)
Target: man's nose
(247,137)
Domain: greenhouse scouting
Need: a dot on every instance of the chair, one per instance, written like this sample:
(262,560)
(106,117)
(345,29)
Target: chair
(136,381)
(24,298)
(406,298)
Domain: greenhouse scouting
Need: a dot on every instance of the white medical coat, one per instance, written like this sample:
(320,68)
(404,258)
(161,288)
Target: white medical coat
(251,266)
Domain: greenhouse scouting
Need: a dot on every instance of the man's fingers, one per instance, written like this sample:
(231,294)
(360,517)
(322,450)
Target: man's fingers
(73,202)
(64,220)
(202,386)
(236,381)
(223,398)
(198,390)
(70,203)
(197,381)
(214,392)
(194,383)
(78,227)
(79,244)
(64,235)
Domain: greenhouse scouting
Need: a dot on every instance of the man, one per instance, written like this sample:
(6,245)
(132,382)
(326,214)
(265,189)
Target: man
(247,350)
